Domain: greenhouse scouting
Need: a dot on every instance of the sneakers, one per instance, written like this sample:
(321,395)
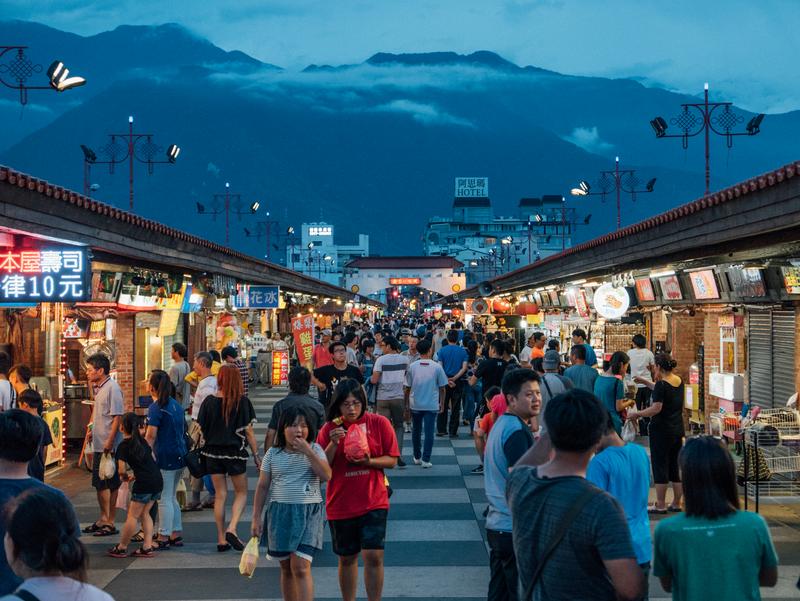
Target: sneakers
(400,462)
(417,461)
(426,464)
(407,428)
(477,470)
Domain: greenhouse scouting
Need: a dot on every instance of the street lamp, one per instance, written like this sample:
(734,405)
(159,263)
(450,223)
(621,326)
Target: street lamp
(264,228)
(697,118)
(127,147)
(221,203)
(618,180)
(20,68)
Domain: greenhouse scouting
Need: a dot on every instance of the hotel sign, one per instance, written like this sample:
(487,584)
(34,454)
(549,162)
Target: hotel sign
(54,275)
(472,187)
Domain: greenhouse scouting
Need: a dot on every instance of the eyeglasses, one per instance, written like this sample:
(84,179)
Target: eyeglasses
(352,405)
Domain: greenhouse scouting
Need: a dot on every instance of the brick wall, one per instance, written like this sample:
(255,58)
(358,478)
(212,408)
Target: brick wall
(126,356)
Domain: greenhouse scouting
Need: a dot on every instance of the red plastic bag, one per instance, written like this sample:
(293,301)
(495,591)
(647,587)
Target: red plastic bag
(356,445)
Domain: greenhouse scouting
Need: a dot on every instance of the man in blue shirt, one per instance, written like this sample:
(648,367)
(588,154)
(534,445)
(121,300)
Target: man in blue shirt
(509,439)
(623,470)
(454,359)
(579,337)
(581,375)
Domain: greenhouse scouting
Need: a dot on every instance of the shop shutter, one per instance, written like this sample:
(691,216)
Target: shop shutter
(759,358)
(783,349)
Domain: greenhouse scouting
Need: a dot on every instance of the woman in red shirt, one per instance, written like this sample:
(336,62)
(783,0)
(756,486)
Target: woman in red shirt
(357,497)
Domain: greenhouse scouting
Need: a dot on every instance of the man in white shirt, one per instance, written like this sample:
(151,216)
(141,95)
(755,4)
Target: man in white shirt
(207,386)
(642,364)
(425,387)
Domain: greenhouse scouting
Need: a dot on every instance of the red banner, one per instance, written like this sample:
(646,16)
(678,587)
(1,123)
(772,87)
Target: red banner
(303,332)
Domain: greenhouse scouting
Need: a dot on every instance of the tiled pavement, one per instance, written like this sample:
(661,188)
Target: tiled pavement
(435,541)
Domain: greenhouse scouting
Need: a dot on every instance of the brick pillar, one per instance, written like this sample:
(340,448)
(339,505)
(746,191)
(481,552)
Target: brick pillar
(126,327)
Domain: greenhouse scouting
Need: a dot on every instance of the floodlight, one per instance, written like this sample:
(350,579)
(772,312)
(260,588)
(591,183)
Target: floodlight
(659,126)
(650,185)
(753,126)
(200,208)
(172,152)
(60,79)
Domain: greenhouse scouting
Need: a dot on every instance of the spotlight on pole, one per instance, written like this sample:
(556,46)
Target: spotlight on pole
(650,185)
(290,230)
(200,208)
(88,154)
(659,126)
(254,206)
(60,79)
(754,125)
(587,219)
(172,153)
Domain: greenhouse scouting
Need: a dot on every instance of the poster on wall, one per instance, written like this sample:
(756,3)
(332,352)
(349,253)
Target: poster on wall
(704,286)
(644,290)
(791,279)
(581,304)
(303,333)
(670,288)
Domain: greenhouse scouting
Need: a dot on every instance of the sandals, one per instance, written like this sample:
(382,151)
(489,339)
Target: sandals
(117,552)
(106,530)
(674,509)
(176,542)
(652,509)
(162,545)
(207,504)
(223,548)
(193,507)
(92,529)
(138,537)
(234,541)
(142,552)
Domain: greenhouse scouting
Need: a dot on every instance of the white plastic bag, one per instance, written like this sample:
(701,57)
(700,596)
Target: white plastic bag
(247,564)
(107,468)
(123,496)
(629,431)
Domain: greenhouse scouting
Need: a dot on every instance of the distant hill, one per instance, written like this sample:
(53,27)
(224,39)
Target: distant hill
(371,148)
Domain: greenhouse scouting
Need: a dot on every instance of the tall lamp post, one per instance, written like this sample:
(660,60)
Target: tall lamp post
(706,118)
(221,203)
(617,180)
(127,147)
(264,228)
(19,69)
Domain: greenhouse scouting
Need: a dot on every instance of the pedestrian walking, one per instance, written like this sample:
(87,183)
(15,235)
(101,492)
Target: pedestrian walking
(165,435)
(424,399)
(178,372)
(31,402)
(358,494)
(509,439)
(45,551)
(713,529)
(299,385)
(106,436)
(328,376)
(389,374)
(666,432)
(230,356)
(455,361)
(206,387)
(571,539)
(552,383)
(610,389)
(137,467)
(581,375)
(622,469)
(289,480)
(227,422)
(643,364)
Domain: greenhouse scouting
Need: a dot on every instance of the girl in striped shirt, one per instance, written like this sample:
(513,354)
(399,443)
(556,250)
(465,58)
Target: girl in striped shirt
(290,478)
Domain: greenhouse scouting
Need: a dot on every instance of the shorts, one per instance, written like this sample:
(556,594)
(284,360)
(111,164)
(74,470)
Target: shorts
(368,531)
(229,467)
(293,528)
(393,410)
(145,497)
(111,484)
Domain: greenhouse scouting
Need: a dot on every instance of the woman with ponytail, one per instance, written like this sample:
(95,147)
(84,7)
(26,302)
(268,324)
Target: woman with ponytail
(666,432)
(165,435)
(43,548)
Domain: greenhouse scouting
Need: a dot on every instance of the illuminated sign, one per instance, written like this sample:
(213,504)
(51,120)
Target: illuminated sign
(52,275)
(405,281)
(280,368)
(472,187)
(791,279)
(263,297)
(320,231)
(611,302)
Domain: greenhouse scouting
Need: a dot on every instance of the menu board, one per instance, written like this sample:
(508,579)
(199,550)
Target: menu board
(746,281)
(704,286)
(554,298)
(670,288)
(791,279)
(644,290)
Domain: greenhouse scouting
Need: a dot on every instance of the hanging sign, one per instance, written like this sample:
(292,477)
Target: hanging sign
(611,302)
(581,304)
(55,274)
(263,297)
(671,288)
(791,279)
(644,290)
(303,332)
(280,368)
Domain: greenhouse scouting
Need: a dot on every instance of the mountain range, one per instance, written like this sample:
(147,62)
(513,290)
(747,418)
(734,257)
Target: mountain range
(370,148)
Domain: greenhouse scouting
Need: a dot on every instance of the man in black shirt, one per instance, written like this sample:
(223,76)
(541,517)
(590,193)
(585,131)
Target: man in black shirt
(299,383)
(30,401)
(327,377)
(491,371)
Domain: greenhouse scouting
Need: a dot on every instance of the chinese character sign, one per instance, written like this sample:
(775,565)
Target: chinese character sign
(263,297)
(472,187)
(47,275)
(303,332)
(280,368)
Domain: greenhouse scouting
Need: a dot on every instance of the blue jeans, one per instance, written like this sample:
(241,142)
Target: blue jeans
(209,486)
(472,398)
(423,420)
(169,512)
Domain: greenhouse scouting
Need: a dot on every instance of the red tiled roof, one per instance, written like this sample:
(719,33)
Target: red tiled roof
(754,184)
(22,180)
(434,262)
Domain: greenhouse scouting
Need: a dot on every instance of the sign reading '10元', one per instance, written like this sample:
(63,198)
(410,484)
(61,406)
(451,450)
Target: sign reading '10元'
(44,275)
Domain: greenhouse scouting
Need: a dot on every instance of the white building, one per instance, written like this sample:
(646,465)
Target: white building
(490,245)
(315,253)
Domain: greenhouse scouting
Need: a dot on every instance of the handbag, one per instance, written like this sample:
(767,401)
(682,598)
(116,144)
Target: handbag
(564,524)
(194,460)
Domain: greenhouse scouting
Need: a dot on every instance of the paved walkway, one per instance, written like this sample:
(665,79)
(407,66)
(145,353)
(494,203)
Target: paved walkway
(435,541)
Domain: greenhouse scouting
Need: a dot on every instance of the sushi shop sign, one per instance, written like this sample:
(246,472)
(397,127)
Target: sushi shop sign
(51,274)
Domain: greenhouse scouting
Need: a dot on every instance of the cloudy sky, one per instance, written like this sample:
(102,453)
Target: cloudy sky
(745,49)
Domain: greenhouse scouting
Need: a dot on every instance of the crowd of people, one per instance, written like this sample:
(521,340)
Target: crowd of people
(568,513)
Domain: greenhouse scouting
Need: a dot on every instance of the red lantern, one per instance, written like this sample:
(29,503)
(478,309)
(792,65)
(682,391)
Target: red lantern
(501,306)
(526,309)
